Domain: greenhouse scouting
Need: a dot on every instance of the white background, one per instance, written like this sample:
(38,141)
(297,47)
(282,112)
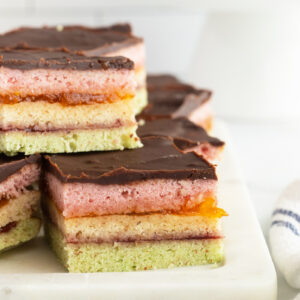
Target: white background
(249,56)
(247,51)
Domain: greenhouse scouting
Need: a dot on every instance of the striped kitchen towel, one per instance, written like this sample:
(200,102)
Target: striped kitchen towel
(285,234)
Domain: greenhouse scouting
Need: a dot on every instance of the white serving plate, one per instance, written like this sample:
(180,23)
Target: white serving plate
(32,272)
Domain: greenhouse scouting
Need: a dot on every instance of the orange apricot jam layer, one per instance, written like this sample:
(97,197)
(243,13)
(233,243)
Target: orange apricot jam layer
(207,208)
(4,202)
(208,123)
(66,98)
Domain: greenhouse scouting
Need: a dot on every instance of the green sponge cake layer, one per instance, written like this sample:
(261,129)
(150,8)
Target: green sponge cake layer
(24,231)
(133,256)
(140,100)
(12,142)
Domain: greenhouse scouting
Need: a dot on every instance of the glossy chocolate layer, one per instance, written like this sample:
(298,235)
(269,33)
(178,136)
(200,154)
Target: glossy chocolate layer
(10,165)
(91,41)
(159,158)
(161,81)
(184,133)
(168,98)
(60,59)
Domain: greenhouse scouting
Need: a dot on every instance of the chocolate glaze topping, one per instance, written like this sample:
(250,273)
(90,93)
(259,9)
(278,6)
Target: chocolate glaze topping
(159,158)
(91,41)
(161,81)
(60,59)
(185,134)
(10,165)
(168,99)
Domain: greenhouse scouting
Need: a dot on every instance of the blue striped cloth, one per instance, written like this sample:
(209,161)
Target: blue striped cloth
(285,234)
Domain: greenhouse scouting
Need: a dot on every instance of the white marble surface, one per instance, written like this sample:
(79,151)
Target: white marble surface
(31,271)
(269,155)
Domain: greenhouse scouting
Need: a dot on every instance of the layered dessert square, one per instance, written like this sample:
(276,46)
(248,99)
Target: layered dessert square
(19,199)
(170,98)
(186,135)
(116,40)
(148,208)
(57,101)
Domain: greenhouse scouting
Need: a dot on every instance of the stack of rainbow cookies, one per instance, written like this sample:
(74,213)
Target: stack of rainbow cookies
(20,217)
(127,184)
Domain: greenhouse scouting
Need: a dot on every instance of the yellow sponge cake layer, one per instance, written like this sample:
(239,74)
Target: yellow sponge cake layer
(141,96)
(132,256)
(140,100)
(24,231)
(43,116)
(124,228)
(19,208)
(140,76)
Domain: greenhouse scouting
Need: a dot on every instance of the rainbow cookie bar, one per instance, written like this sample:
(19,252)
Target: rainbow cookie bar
(148,208)
(186,135)
(116,40)
(19,200)
(170,98)
(56,101)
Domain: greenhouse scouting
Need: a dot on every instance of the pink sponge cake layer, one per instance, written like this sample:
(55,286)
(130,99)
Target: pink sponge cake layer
(19,199)
(60,76)
(136,53)
(15,184)
(85,199)
(154,178)
(106,85)
(203,116)
(17,175)
(19,170)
